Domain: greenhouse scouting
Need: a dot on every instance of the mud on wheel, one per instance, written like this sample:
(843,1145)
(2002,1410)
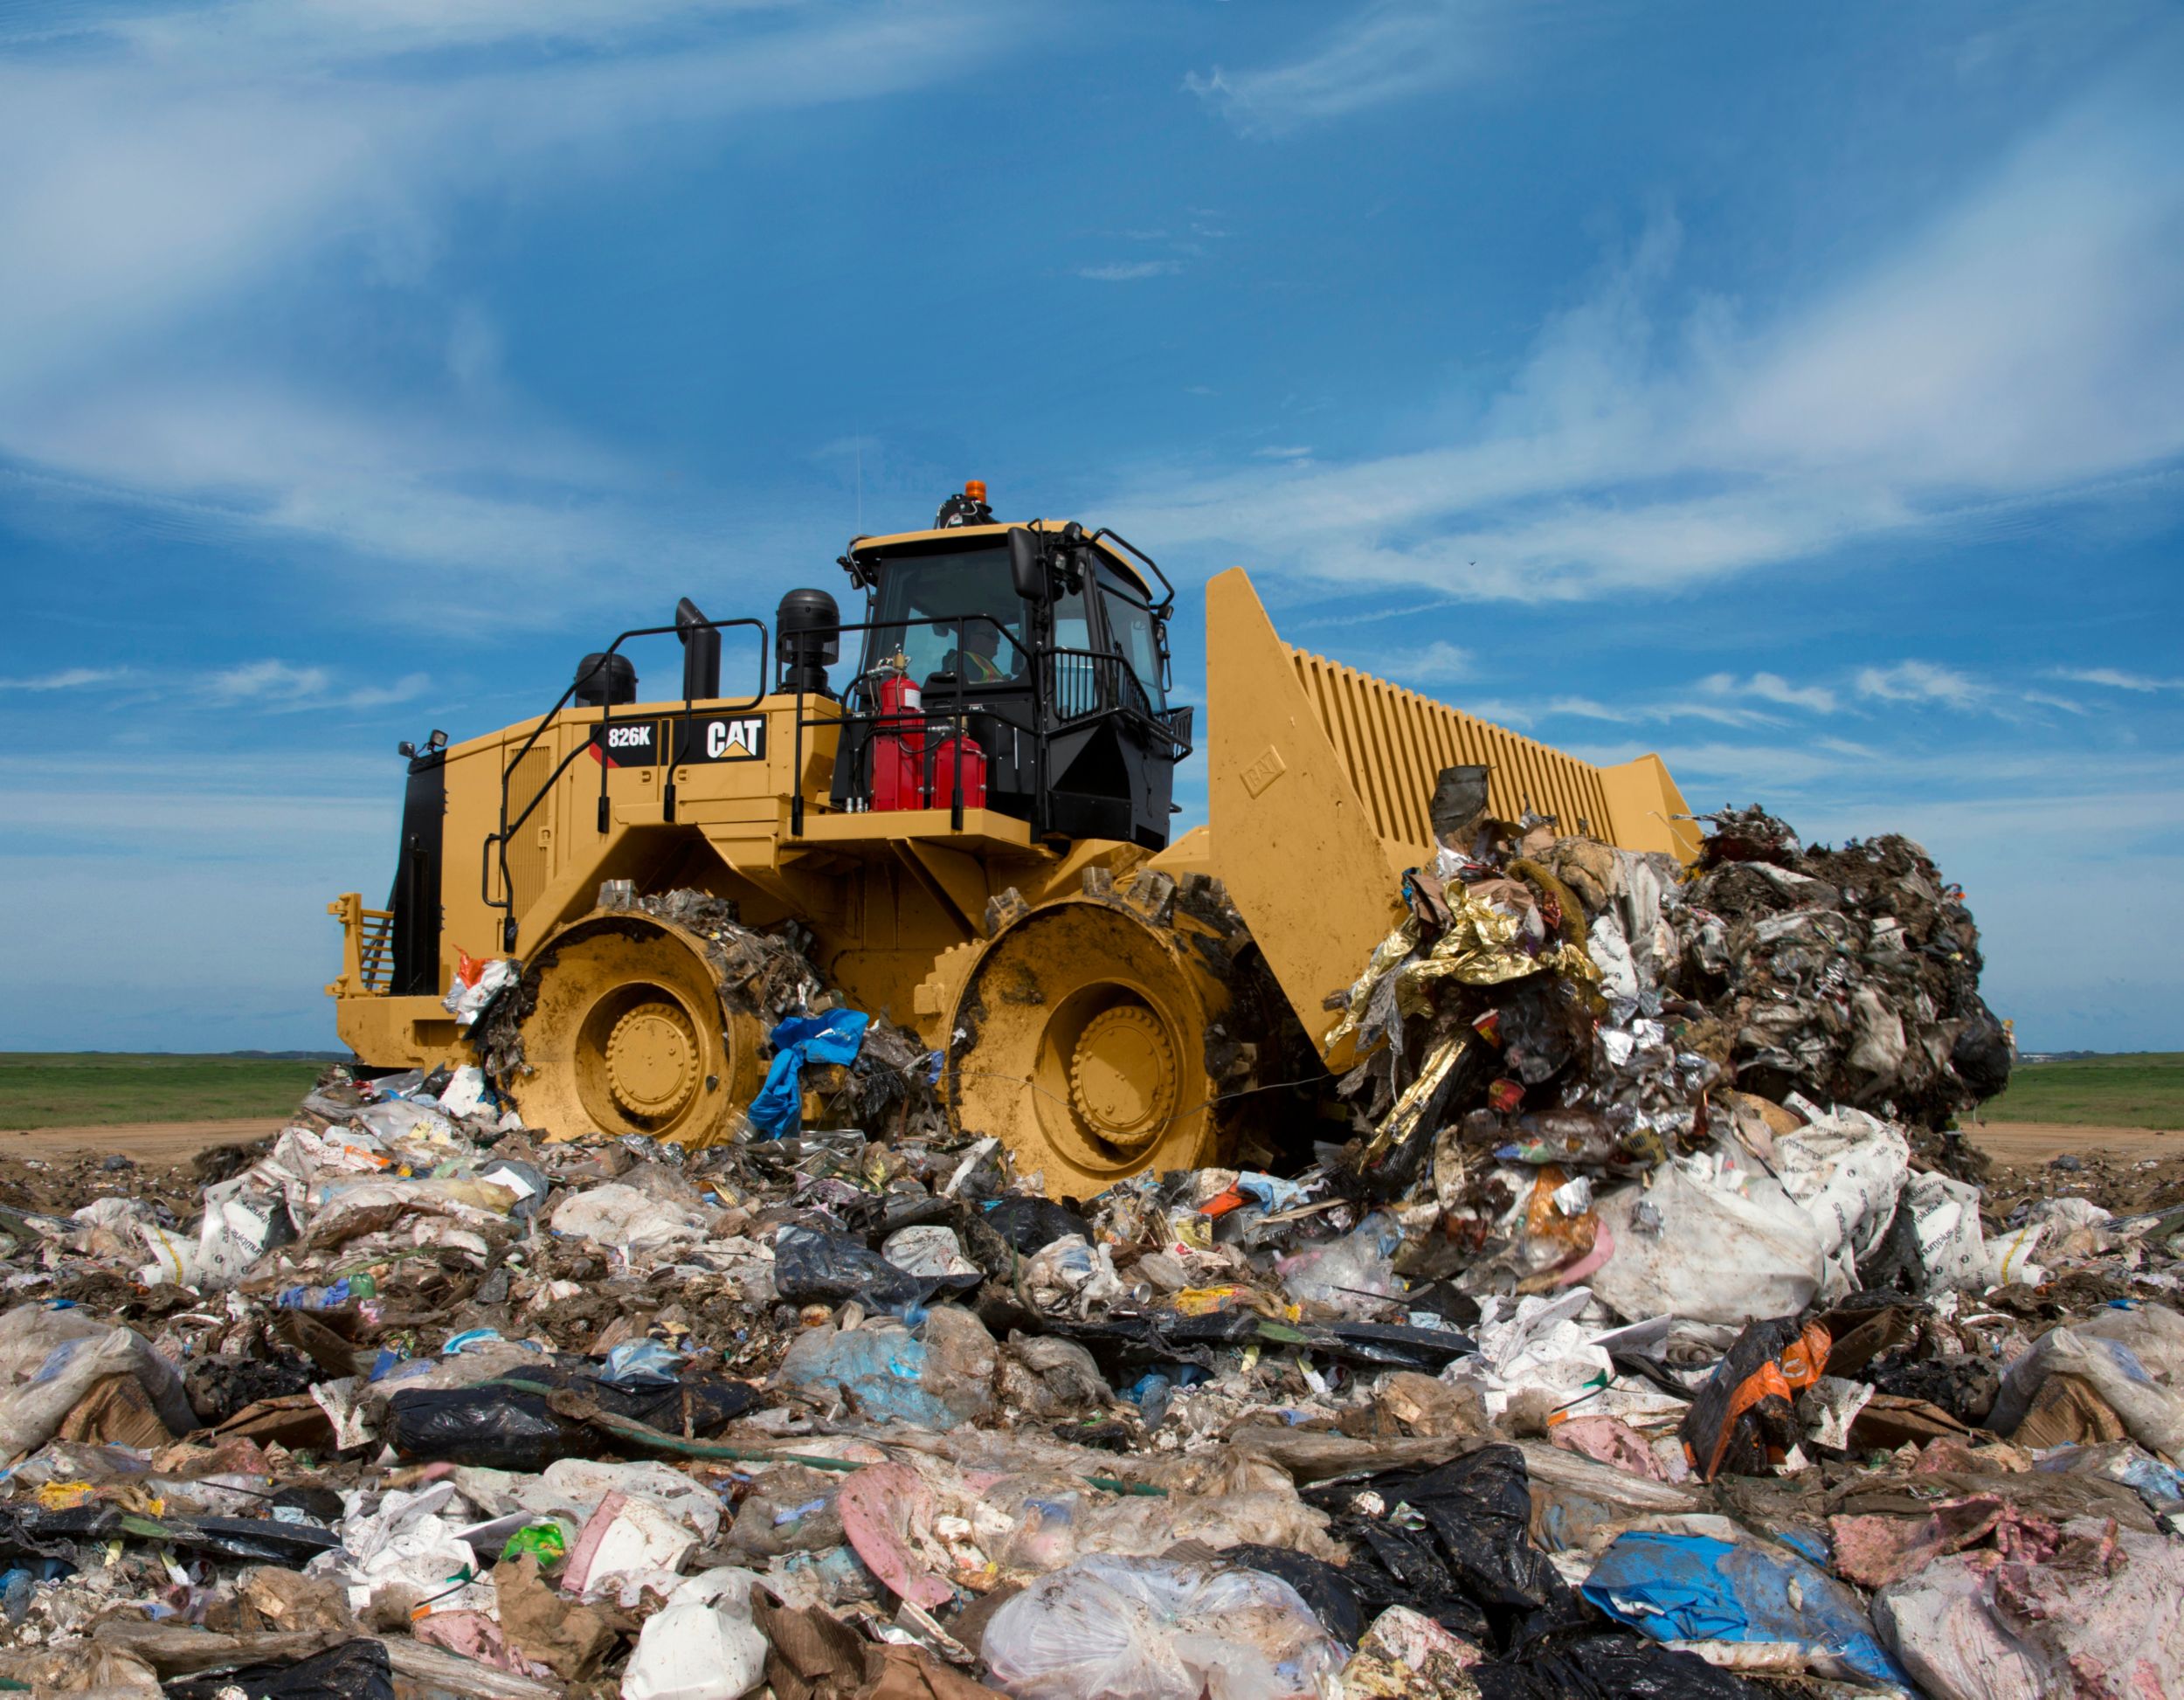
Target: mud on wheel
(624,1032)
(1101,1036)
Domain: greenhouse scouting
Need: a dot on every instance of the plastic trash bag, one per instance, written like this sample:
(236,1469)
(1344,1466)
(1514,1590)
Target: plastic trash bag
(1845,1169)
(1711,1241)
(1354,1274)
(1745,1416)
(495,1426)
(1030,1224)
(693,1650)
(356,1669)
(2099,1617)
(50,1359)
(928,1249)
(1149,1629)
(1610,1667)
(2131,1357)
(811,1267)
(835,1036)
(622,1217)
(939,1376)
(1692,1587)
(1463,1555)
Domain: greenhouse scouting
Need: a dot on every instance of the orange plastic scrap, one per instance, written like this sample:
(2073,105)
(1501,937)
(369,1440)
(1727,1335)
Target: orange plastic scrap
(1801,1362)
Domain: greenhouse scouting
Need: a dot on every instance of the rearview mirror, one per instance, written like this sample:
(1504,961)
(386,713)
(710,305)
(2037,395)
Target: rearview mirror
(1027,568)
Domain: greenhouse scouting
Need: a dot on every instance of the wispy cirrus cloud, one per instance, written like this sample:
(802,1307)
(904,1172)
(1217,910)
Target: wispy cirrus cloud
(67,679)
(1921,681)
(1130,271)
(1389,51)
(176,177)
(1436,663)
(2024,349)
(1771,687)
(271,686)
(2115,679)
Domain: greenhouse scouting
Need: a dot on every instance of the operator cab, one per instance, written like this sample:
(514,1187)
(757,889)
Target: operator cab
(1045,645)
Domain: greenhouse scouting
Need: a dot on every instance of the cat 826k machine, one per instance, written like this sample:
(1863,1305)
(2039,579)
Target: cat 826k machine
(973,831)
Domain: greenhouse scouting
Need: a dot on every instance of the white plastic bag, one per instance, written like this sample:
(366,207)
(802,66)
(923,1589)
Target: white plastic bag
(1354,1274)
(1711,1241)
(1845,1169)
(49,1359)
(1149,1629)
(2134,1358)
(694,1651)
(1951,1244)
(617,1215)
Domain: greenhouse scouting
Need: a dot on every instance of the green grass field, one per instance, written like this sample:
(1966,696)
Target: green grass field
(2139,1090)
(89,1088)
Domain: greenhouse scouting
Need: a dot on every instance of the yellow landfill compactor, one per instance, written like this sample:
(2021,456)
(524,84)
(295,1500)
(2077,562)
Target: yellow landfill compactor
(971,826)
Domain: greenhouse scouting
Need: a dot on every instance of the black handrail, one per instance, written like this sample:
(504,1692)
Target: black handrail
(496,844)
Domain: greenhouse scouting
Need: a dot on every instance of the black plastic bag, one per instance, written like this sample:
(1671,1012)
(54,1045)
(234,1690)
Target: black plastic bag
(356,1669)
(1613,1666)
(1453,1542)
(814,1267)
(1030,1225)
(493,1425)
(1543,1023)
(30,1531)
(1320,1585)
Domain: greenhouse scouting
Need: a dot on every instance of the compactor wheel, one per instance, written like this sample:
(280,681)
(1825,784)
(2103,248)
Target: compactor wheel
(627,1035)
(1080,1038)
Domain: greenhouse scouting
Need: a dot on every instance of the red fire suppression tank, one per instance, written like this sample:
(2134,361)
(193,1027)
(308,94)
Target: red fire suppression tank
(898,742)
(944,773)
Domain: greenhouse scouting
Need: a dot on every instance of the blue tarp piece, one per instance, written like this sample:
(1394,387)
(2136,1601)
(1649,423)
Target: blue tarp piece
(1691,1588)
(835,1037)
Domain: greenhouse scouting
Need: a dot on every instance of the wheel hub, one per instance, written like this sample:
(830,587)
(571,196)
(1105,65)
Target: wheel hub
(651,1060)
(1123,1075)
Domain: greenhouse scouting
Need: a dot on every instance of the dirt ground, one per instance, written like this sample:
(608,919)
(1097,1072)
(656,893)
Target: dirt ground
(176,1141)
(2036,1142)
(141,1142)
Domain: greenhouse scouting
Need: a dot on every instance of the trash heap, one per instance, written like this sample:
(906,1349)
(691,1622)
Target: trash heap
(1652,1334)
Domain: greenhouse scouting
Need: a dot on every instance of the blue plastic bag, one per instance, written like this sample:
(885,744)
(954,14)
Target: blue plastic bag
(1692,1587)
(835,1037)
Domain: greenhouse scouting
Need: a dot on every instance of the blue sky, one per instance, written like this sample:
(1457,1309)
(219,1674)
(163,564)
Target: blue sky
(1798,392)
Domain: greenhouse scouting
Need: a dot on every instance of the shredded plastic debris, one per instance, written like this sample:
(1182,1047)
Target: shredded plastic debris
(1647,1328)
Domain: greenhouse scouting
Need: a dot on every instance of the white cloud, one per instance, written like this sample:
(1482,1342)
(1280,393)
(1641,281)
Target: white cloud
(1501,712)
(280,687)
(266,681)
(1584,708)
(1920,682)
(2048,700)
(2026,347)
(1386,52)
(1283,453)
(68,679)
(1130,271)
(407,688)
(1436,663)
(1771,687)
(179,180)
(2116,680)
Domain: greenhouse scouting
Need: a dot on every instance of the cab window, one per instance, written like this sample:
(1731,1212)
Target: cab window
(1129,625)
(919,596)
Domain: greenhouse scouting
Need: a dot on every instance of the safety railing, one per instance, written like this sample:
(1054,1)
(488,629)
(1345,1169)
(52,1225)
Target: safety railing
(495,849)
(1083,684)
(366,946)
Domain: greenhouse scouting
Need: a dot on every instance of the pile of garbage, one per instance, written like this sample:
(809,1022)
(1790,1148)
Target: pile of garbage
(1652,1334)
